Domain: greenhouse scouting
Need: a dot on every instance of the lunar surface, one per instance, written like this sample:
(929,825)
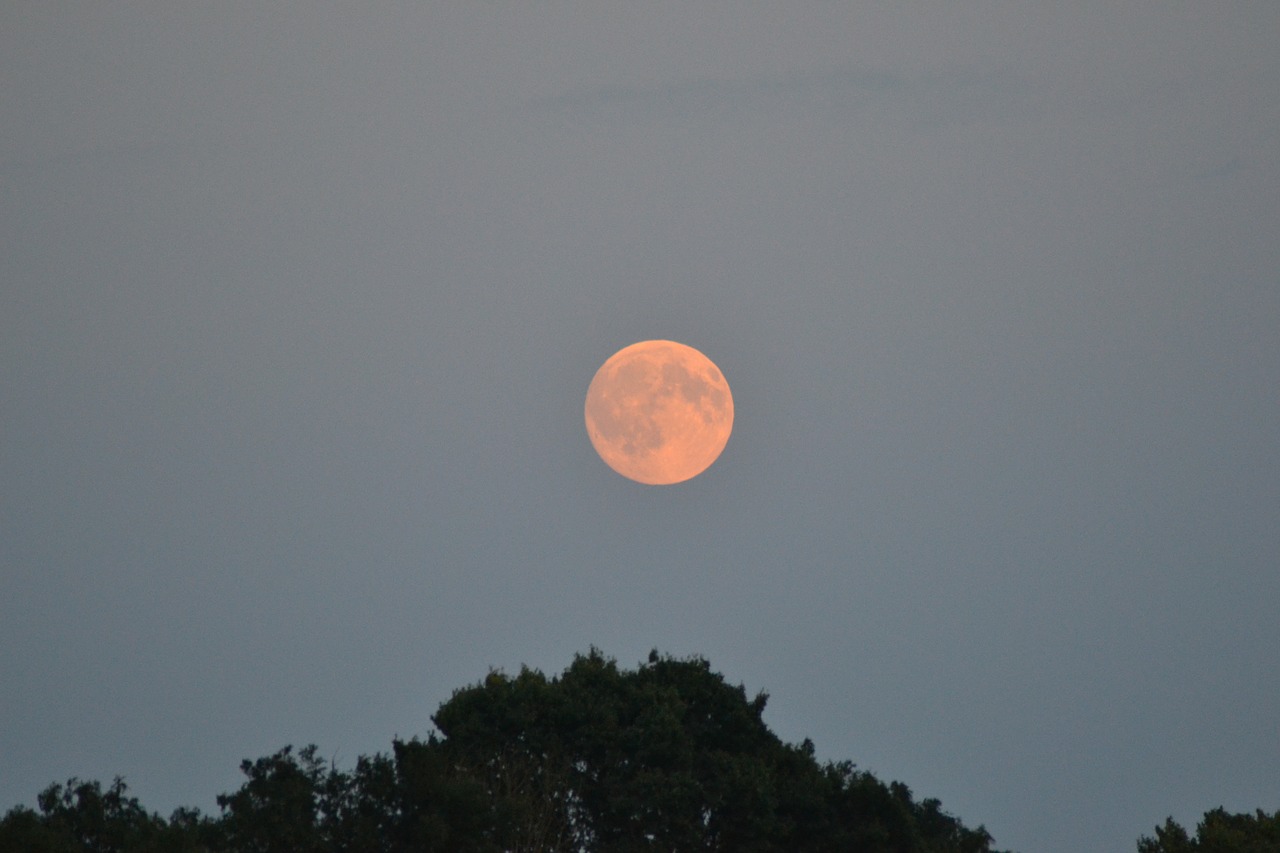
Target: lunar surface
(659,412)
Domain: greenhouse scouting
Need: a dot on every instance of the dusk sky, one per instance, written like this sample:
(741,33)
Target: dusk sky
(299,303)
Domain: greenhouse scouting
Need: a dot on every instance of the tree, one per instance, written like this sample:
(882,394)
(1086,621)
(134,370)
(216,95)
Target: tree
(80,817)
(438,807)
(278,809)
(410,801)
(669,757)
(1218,832)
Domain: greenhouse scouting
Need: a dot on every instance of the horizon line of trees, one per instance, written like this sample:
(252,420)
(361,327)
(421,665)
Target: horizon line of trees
(666,757)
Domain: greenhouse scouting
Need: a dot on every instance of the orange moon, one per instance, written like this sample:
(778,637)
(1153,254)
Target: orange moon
(659,412)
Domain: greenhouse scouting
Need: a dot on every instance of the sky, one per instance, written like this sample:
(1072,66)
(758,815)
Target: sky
(299,303)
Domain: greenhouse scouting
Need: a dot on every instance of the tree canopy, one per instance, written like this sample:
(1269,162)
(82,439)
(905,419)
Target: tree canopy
(665,757)
(1218,832)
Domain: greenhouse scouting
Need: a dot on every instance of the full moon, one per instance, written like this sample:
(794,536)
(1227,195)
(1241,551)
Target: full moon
(659,412)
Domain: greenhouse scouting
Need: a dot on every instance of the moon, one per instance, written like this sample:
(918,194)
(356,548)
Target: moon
(659,412)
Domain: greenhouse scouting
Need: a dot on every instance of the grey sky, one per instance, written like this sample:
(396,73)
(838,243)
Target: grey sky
(299,303)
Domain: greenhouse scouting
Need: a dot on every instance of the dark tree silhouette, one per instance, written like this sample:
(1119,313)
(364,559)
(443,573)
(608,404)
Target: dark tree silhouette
(80,817)
(666,757)
(669,757)
(1218,832)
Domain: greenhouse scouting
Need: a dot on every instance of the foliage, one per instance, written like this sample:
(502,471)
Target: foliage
(666,757)
(81,816)
(1218,832)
